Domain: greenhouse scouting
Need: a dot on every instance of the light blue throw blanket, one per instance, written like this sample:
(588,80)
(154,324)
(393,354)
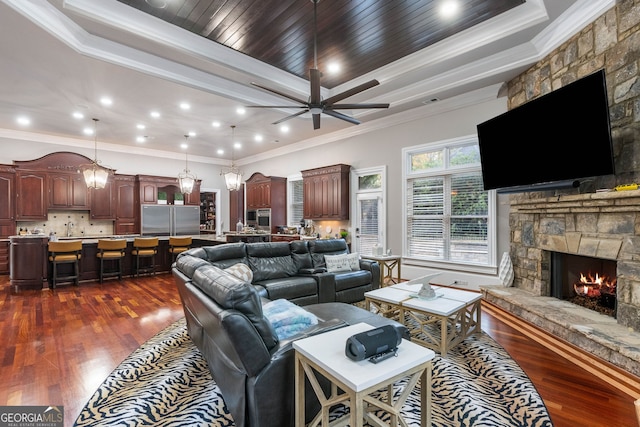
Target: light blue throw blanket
(287,318)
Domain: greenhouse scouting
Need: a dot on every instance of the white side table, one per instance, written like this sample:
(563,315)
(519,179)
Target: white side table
(353,382)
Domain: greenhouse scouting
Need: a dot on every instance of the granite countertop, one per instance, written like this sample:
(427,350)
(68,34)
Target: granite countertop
(128,237)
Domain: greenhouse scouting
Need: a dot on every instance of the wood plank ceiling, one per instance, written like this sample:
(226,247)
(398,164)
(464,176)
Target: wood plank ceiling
(362,35)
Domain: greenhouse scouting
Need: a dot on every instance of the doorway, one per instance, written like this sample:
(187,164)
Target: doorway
(369,218)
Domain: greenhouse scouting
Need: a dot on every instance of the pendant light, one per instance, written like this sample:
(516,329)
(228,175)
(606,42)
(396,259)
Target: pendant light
(232,177)
(186,178)
(95,176)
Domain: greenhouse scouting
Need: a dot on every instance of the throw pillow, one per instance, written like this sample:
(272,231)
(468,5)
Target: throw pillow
(287,318)
(337,263)
(241,271)
(354,261)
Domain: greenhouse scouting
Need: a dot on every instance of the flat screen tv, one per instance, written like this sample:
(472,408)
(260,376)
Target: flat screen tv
(562,136)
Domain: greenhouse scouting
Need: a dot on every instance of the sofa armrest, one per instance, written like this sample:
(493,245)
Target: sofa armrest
(374,268)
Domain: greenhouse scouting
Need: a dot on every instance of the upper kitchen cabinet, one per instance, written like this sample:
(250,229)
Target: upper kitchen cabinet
(266,191)
(67,191)
(150,186)
(31,195)
(103,201)
(126,204)
(7,203)
(50,182)
(326,192)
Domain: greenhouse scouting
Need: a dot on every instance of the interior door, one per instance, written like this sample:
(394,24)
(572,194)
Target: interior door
(369,226)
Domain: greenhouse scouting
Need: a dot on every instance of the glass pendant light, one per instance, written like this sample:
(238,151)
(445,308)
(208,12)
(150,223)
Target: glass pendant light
(232,176)
(95,176)
(186,178)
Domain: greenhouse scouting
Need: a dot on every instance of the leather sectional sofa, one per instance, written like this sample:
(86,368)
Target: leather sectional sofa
(252,366)
(296,270)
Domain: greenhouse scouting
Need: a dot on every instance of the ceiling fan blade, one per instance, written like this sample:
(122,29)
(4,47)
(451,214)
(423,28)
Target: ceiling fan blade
(314,79)
(316,121)
(341,116)
(351,92)
(284,95)
(275,106)
(291,116)
(356,106)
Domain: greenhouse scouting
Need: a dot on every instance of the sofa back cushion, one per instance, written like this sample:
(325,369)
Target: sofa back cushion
(300,254)
(226,255)
(270,260)
(229,292)
(319,248)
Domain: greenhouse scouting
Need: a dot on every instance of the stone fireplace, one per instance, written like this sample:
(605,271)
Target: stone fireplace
(601,225)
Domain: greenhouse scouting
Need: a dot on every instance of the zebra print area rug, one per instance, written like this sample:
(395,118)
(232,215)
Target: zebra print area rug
(166,382)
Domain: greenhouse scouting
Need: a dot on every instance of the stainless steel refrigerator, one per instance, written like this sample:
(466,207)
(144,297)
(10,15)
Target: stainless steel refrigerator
(170,220)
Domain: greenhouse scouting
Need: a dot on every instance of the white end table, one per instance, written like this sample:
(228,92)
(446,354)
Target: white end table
(352,382)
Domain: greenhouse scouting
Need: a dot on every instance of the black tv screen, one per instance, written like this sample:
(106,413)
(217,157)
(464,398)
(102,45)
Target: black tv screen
(561,136)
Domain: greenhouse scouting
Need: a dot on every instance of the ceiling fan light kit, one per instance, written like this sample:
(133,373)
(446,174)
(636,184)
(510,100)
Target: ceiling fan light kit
(315,104)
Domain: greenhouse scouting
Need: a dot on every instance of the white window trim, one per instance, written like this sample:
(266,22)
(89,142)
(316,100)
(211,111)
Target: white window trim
(491,267)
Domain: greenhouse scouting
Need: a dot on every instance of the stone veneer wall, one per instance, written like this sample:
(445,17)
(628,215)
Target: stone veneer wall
(597,224)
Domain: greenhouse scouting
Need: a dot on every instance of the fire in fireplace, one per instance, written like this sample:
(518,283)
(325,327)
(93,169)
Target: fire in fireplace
(585,281)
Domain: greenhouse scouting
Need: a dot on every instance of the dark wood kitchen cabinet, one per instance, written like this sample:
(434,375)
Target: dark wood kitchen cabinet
(326,192)
(150,186)
(67,191)
(31,191)
(127,205)
(268,192)
(28,258)
(7,203)
(4,256)
(103,201)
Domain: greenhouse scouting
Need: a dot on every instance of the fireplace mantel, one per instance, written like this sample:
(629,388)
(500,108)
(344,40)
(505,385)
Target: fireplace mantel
(602,224)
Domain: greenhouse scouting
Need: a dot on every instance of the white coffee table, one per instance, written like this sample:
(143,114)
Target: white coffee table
(439,324)
(352,382)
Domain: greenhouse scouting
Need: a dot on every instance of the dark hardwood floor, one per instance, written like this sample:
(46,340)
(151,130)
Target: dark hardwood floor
(59,345)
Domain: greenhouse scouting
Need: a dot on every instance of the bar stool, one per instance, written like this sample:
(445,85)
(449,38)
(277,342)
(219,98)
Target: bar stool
(111,250)
(145,247)
(177,245)
(65,252)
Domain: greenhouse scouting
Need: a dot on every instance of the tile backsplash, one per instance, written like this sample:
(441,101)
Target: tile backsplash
(69,223)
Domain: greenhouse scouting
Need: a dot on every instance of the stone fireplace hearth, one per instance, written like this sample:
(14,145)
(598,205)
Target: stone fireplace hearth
(603,225)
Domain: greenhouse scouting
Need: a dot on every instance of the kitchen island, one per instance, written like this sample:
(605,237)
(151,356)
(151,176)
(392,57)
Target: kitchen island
(30,268)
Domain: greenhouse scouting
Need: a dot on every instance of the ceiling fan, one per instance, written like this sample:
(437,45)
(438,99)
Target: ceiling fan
(316,105)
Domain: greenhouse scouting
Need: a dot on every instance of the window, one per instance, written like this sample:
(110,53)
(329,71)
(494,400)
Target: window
(295,201)
(448,213)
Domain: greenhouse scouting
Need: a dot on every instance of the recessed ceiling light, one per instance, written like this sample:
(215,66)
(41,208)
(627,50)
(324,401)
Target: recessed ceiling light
(155,114)
(185,106)
(184,145)
(141,139)
(215,124)
(106,101)
(191,133)
(220,151)
(240,110)
(284,128)
(140,126)
(23,120)
(77,115)
(449,8)
(258,138)
(87,131)
(333,67)
(237,146)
